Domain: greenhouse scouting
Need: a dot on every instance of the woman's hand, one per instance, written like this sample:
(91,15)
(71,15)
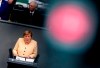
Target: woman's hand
(28,57)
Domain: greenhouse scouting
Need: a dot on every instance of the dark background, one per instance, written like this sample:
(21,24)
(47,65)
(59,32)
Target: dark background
(10,32)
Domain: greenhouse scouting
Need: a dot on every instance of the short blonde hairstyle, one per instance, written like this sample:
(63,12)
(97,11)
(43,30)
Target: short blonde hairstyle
(27,32)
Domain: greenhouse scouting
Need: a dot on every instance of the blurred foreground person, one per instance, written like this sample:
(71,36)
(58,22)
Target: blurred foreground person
(6,6)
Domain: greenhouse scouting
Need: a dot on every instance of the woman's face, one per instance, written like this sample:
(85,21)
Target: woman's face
(27,38)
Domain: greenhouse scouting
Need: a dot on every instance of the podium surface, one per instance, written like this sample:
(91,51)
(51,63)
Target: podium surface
(12,63)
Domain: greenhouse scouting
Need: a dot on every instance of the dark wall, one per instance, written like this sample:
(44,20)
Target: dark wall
(9,33)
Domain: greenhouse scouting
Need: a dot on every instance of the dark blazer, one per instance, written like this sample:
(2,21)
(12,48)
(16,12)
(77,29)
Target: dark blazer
(3,7)
(22,15)
(6,9)
(36,19)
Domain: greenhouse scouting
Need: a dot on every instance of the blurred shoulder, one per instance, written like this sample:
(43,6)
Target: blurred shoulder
(34,41)
(20,39)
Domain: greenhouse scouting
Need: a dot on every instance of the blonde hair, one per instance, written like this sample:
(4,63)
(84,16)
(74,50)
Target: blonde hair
(27,32)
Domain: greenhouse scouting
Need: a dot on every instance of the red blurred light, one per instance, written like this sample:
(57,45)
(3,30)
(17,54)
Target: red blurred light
(68,23)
